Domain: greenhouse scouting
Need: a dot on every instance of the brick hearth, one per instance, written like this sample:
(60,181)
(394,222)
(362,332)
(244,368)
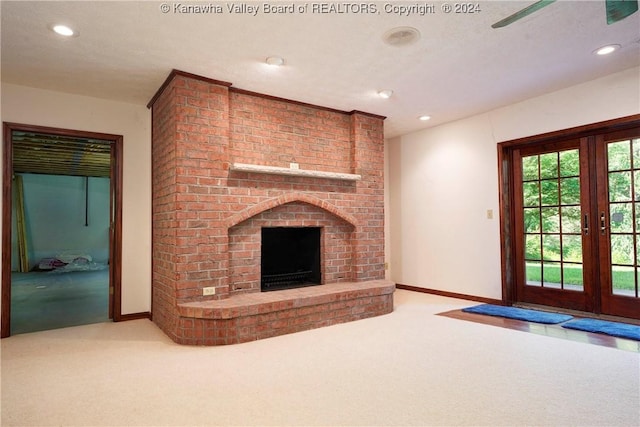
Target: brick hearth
(260,315)
(226,163)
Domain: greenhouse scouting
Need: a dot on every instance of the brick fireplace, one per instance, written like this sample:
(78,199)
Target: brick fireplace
(229,165)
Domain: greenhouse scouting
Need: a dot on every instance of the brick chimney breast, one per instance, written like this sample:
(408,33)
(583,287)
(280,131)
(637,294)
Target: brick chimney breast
(228,162)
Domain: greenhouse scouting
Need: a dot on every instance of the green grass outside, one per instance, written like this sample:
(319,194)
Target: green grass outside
(623,277)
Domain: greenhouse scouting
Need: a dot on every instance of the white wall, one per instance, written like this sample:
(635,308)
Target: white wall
(47,108)
(62,217)
(443,180)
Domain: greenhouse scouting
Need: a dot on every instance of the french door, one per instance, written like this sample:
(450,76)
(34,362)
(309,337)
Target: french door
(618,178)
(576,205)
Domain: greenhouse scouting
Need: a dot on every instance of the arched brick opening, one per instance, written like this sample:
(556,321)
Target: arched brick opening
(337,249)
(288,198)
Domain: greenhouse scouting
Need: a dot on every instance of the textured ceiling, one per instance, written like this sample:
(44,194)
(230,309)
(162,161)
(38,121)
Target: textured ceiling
(459,67)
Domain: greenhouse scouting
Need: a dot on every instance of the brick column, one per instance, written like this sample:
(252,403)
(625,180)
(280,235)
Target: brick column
(202,144)
(164,212)
(190,121)
(368,157)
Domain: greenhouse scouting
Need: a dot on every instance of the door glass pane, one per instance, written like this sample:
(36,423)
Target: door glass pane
(551,247)
(530,168)
(549,192)
(573,277)
(532,247)
(623,280)
(549,165)
(532,220)
(571,221)
(570,163)
(531,193)
(619,155)
(621,217)
(551,274)
(636,152)
(550,220)
(622,250)
(636,184)
(533,273)
(620,186)
(570,191)
(572,248)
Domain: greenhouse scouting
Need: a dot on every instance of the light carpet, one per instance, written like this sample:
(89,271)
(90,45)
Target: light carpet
(410,367)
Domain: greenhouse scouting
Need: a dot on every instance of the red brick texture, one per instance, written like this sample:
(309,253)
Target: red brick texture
(256,316)
(207,217)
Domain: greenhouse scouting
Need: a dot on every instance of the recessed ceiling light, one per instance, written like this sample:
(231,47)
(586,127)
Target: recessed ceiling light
(424,118)
(386,94)
(401,36)
(63,30)
(275,61)
(606,50)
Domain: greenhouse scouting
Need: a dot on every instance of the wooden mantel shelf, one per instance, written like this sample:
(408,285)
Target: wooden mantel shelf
(275,170)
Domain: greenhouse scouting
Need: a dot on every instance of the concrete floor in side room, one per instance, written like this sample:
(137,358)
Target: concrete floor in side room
(51,300)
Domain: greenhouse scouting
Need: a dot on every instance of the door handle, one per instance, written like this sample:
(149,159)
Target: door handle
(585,227)
(603,223)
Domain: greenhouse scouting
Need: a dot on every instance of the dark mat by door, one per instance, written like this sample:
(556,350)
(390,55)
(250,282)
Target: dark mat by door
(519,313)
(615,329)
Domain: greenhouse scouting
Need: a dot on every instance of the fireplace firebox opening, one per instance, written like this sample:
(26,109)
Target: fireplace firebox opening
(290,257)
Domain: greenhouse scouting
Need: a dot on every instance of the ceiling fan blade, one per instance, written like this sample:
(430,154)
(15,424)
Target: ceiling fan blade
(521,14)
(617,10)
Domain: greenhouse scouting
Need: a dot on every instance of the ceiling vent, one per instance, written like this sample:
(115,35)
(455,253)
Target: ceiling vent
(401,36)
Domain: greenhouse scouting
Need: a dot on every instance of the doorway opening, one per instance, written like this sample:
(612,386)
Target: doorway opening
(61,228)
(570,218)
